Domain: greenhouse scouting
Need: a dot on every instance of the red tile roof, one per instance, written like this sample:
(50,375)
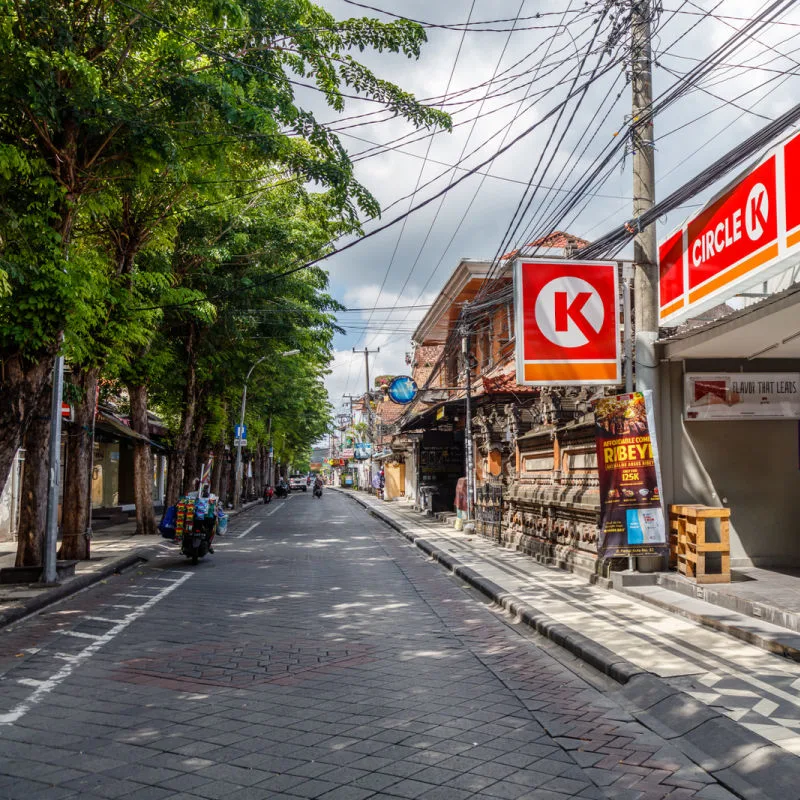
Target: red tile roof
(557,239)
(504,381)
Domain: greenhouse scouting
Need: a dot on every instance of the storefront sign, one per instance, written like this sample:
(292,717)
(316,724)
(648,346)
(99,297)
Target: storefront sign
(742,237)
(742,395)
(631,516)
(567,322)
(347,452)
(402,389)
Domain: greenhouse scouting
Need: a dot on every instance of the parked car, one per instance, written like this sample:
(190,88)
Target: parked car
(298,482)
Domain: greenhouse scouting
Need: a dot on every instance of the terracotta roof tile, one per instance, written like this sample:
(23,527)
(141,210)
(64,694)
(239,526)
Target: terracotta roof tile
(557,239)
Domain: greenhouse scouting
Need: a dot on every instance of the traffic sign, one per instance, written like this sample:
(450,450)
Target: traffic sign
(66,411)
(240,431)
(567,322)
(242,442)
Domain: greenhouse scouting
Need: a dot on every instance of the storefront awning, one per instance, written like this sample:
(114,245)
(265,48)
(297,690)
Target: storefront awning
(769,329)
(428,417)
(116,427)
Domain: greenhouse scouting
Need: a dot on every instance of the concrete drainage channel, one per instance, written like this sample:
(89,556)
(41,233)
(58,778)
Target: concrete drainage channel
(743,762)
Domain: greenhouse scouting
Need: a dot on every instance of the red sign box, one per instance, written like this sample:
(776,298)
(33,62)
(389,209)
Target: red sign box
(567,322)
(742,237)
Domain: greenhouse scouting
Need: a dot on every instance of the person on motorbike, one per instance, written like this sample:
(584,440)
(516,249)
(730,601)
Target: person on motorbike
(318,484)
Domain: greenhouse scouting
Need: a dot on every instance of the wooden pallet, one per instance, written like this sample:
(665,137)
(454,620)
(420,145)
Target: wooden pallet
(688,529)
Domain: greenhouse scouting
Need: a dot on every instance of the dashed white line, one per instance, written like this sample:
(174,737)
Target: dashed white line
(47,686)
(244,533)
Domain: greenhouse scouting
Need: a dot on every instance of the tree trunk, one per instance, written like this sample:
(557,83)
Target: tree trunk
(216,474)
(225,482)
(75,510)
(33,510)
(21,384)
(191,463)
(176,463)
(142,463)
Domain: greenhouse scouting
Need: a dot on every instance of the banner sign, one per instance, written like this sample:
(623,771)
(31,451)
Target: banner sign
(567,315)
(743,236)
(631,516)
(362,451)
(347,452)
(742,395)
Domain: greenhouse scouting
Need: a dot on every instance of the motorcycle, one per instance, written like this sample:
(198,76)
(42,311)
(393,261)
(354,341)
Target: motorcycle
(268,493)
(317,491)
(281,490)
(197,542)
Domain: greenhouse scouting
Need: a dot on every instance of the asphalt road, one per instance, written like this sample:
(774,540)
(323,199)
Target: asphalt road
(316,655)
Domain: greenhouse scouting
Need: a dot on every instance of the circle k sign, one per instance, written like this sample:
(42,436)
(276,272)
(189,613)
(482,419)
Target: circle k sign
(567,322)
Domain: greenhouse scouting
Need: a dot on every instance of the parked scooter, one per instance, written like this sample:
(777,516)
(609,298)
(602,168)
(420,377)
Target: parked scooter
(281,490)
(268,493)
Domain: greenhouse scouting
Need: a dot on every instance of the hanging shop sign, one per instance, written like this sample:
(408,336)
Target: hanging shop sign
(402,389)
(743,236)
(741,395)
(567,322)
(362,451)
(631,515)
(347,452)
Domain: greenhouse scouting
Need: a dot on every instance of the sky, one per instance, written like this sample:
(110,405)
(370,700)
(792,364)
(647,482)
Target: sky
(498,84)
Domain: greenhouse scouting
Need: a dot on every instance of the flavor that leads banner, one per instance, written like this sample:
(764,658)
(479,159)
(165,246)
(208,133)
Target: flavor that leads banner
(631,516)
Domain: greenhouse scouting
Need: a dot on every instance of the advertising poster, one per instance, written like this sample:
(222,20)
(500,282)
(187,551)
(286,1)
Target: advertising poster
(631,516)
(742,395)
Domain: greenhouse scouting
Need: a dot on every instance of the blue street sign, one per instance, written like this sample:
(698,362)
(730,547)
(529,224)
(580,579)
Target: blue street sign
(240,431)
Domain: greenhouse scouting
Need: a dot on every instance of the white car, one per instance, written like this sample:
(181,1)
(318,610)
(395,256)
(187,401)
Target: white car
(298,482)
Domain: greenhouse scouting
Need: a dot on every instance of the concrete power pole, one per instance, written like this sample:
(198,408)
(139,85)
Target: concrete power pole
(645,247)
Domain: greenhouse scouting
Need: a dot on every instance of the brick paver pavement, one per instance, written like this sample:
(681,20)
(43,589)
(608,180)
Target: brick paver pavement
(316,655)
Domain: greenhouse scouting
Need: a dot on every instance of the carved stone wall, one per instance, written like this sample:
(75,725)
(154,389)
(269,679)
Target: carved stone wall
(553,506)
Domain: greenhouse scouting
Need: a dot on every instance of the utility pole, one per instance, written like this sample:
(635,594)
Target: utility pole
(49,572)
(468,452)
(645,249)
(367,354)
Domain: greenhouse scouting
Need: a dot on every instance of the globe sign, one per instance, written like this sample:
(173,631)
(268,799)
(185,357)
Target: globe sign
(402,389)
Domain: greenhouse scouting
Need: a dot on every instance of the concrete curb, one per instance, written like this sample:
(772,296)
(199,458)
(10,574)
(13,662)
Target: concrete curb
(53,595)
(32,604)
(745,763)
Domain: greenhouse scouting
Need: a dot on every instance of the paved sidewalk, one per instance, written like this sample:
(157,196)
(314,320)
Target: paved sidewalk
(700,684)
(113,549)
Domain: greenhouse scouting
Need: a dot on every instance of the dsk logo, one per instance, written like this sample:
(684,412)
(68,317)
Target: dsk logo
(757,212)
(569,312)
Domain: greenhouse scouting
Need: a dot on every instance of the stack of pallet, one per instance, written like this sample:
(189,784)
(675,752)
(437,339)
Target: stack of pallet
(689,545)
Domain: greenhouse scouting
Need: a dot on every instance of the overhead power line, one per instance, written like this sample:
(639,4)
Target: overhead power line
(617,238)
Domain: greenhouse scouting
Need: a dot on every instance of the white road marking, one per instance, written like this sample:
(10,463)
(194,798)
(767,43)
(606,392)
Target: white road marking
(102,619)
(80,635)
(59,677)
(244,533)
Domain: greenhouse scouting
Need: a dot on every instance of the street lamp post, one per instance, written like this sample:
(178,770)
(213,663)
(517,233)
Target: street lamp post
(238,473)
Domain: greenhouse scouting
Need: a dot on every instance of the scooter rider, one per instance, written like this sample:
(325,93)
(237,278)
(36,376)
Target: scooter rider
(318,484)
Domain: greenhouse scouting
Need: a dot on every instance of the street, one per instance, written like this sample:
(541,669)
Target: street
(315,654)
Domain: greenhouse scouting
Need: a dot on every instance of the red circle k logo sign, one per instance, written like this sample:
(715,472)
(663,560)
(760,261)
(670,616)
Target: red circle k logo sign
(568,322)
(569,312)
